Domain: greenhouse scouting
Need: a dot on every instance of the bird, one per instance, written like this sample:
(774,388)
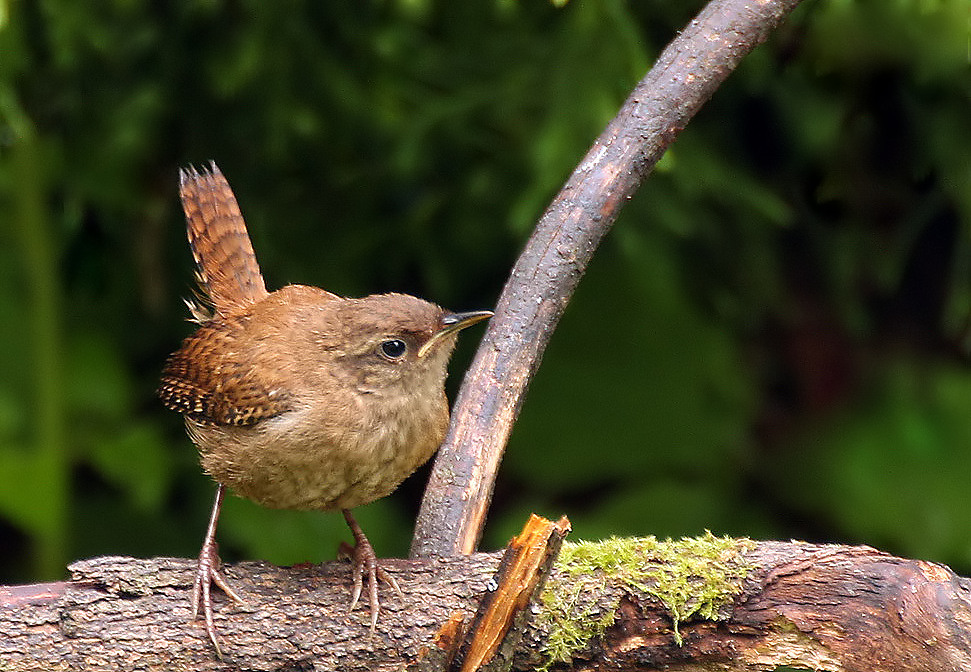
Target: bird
(300,398)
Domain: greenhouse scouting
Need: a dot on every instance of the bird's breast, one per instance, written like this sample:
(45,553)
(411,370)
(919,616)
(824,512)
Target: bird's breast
(303,459)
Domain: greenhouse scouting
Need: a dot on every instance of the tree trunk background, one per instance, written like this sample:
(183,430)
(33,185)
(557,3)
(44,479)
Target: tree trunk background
(819,607)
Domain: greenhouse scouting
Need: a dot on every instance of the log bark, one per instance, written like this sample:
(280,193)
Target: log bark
(547,272)
(819,607)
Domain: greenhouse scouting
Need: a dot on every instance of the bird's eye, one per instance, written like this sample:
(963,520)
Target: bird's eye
(393,348)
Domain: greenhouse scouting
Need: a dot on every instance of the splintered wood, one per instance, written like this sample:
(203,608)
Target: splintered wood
(520,577)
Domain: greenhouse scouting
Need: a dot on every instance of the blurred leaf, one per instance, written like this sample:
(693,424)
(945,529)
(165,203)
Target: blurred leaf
(666,507)
(642,386)
(98,388)
(893,471)
(26,498)
(137,461)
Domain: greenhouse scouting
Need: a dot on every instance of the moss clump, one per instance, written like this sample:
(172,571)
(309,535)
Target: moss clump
(691,577)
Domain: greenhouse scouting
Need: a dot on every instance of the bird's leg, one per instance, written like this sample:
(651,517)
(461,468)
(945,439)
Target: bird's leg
(207,573)
(365,560)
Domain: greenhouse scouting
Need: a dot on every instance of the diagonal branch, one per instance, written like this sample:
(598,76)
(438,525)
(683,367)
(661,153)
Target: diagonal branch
(541,283)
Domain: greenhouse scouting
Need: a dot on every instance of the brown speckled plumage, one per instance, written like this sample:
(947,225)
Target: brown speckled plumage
(300,398)
(205,380)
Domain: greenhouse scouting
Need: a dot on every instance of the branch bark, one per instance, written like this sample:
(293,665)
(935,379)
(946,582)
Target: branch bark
(832,608)
(548,270)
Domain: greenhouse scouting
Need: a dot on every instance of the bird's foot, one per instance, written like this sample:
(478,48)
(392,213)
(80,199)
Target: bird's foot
(207,573)
(365,561)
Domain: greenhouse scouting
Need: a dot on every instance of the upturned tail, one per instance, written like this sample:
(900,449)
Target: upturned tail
(229,276)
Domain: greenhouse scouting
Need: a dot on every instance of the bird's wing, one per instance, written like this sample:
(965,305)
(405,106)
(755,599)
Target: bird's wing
(207,381)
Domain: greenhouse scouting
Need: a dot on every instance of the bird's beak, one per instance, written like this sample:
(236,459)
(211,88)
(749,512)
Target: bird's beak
(450,323)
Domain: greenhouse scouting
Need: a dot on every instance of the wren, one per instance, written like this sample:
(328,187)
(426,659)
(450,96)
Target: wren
(299,398)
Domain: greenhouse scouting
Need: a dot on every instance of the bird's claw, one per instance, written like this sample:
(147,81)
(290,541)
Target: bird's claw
(366,561)
(207,573)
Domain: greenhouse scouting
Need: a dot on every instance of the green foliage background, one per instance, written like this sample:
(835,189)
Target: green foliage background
(772,341)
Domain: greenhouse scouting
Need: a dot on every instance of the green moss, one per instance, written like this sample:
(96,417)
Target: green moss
(692,577)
